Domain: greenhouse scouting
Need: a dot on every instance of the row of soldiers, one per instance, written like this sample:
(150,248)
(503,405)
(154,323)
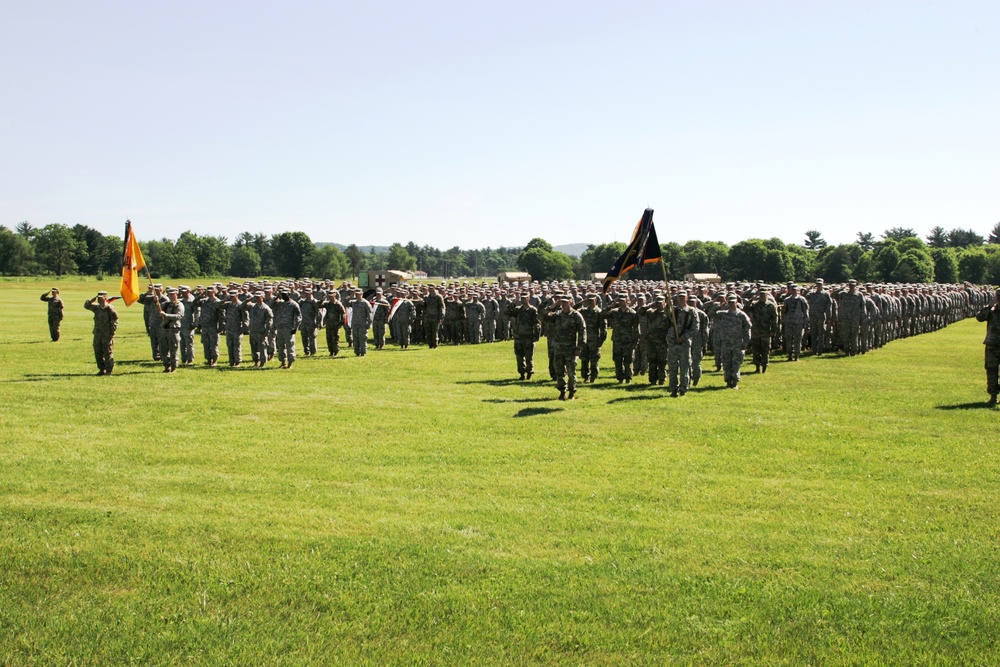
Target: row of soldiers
(849,317)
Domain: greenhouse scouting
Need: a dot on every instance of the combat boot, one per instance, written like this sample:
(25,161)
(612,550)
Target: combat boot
(562,395)
(572,395)
(992,401)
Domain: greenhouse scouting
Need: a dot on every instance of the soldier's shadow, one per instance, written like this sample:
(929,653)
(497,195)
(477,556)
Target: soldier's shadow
(534,412)
(640,397)
(518,400)
(494,383)
(978,405)
(39,377)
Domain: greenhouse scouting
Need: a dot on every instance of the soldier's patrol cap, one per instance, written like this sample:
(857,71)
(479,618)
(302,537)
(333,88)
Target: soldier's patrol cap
(591,295)
(102,294)
(819,281)
(852,281)
(210,288)
(171,290)
(682,293)
(157,286)
(731,297)
(233,292)
(660,297)
(54,289)
(184,287)
(565,297)
(308,290)
(258,293)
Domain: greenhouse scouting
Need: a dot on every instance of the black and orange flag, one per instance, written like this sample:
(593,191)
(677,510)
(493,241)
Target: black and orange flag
(643,249)
(132,261)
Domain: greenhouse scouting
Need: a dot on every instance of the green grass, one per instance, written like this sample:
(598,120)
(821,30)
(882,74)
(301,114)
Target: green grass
(420,507)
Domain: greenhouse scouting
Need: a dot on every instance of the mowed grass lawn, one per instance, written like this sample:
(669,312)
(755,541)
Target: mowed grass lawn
(420,507)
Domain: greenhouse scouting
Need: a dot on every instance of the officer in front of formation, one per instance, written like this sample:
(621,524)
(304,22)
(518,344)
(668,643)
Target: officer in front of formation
(991,315)
(55,312)
(105,326)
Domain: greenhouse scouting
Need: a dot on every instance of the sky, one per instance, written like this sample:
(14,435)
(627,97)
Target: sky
(489,124)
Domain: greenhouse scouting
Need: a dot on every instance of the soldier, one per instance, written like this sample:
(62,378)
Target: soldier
(287,318)
(188,323)
(105,326)
(820,312)
(491,311)
(361,321)
(764,318)
(208,320)
(597,333)
(55,312)
(624,336)
(656,340)
(733,336)
(403,316)
(434,311)
(261,319)
(569,335)
(795,316)
(152,303)
(170,338)
(475,315)
(699,342)
(236,325)
(526,330)
(851,312)
(679,345)
(309,309)
(380,315)
(991,315)
(333,320)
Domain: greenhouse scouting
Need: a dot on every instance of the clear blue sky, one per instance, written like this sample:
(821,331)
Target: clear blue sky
(487,124)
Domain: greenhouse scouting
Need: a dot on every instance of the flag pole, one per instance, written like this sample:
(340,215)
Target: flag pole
(128,225)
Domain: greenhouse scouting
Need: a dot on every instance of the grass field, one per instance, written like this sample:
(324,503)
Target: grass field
(420,507)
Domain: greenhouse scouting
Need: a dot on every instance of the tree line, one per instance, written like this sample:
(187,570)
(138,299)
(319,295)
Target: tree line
(898,255)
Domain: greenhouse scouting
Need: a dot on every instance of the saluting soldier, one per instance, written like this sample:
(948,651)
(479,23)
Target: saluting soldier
(624,336)
(795,316)
(568,337)
(105,326)
(764,318)
(361,322)
(597,333)
(55,312)
(261,321)
(333,320)
(679,345)
(527,329)
(434,312)
(152,303)
(287,318)
(309,308)
(734,328)
(170,338)
(991,315)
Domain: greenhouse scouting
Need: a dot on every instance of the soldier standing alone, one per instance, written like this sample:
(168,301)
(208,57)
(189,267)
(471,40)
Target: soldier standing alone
(55,312)
(991,315)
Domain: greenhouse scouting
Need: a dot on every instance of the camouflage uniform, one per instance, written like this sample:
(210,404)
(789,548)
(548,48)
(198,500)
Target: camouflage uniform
(475,314)
(820,312)
(309,309)
(380,315)
(170,339)
(679,353)
(733,336)
(361,321)
(527,328)
(764,318)
(105,326)
(624,336)
(188,324)
(851,313)
(698,343)
(434,312)
(261,319)
(236,324)
(403,317)
(656,344)
(568,337)
(287,318)
(795,315)
(154,324)
(491,309)
(333,320)
(597,333)
(55,312)
(209,323)
(991,315)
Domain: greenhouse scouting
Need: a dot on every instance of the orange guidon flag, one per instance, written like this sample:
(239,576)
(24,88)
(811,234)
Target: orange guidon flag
(132,261)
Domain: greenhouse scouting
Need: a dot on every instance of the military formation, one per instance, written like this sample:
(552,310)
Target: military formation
(662,331)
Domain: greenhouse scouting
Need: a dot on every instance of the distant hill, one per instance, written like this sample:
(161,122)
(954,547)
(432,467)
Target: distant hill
(572,249)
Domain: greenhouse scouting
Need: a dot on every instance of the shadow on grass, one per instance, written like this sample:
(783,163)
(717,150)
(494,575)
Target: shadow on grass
(534,412)
(518,400)
(497,383)
(981,405)
(640,397)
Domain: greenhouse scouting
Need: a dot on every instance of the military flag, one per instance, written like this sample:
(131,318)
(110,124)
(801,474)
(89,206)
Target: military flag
(643,249)
(132,261)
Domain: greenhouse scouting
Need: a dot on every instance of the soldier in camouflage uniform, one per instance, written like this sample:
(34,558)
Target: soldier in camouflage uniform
(434,312)
(261,319)
(794,316)
(55,312)
(309,309)
(597,333)
(678,342)
(820,312)
(361,322)
(170,338)
(475,315)
(333,321)
(569,335)
(236,323)
(527,329)
(152,301)
(698,344)
(287,318)
(188,324)
(105,326)
(656,340)
(764,318)
(733,327)
(491,310)
(404,316)
(991,315)
(209,308)
(851,312)
(380,315)
(624,323)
